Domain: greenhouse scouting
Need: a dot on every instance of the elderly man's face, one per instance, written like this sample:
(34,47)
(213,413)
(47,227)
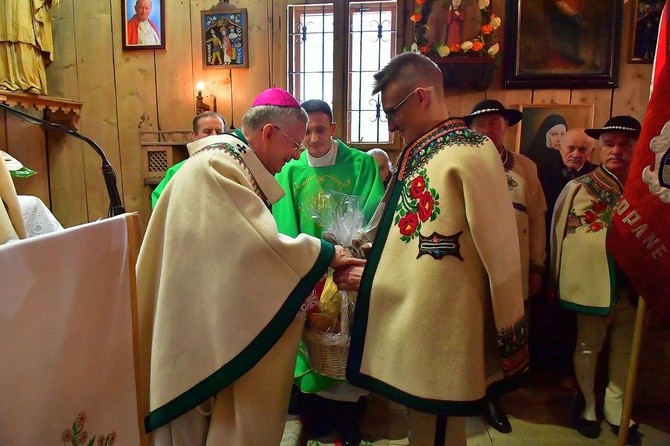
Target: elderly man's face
(616,150)
(143,9)
(576,148)
(383,164)
(284,145)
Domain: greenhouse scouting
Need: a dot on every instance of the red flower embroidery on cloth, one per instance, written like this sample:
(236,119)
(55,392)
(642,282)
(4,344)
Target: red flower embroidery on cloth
(599,207)
(418,204)
(590,216)
(595,219)
(596,226)
(408,224)
(425,206)
(417,187)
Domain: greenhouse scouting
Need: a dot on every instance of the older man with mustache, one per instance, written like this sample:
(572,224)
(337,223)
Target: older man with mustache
(588,282)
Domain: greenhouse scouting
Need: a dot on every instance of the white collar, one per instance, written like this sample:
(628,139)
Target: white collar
(328,159)
(265,180)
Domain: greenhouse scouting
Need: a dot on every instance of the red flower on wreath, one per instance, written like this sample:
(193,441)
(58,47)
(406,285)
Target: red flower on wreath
(425,208)
(408,224)
(418,187)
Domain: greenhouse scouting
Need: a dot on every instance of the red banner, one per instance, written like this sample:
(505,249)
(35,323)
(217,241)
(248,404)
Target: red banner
(639,235)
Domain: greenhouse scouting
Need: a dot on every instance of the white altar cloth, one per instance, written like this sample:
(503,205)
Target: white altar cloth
(66,337)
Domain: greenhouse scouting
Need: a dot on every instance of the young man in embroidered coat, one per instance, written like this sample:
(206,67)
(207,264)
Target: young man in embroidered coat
(442,290)
(492,119)
(587,279)
(217,344)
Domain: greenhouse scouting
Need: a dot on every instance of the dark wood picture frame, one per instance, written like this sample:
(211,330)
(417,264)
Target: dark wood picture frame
(129,29)
(547,45)
(224,37)
(644,23)
(534,115)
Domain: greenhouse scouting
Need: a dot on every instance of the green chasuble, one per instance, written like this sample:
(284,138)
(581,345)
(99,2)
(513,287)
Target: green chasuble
(307,189)
(354,173)
(166,179)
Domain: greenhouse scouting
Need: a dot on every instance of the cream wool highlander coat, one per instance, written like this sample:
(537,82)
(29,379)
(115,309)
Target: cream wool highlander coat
(529,210)
(217,284)
(439,318)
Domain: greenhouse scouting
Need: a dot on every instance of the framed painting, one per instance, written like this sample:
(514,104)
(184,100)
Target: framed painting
(539,132)
(562,44)
(644,23)
(143,24)
(224,38)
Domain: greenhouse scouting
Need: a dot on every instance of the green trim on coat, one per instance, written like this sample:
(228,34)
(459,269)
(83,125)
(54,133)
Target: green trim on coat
(251,355)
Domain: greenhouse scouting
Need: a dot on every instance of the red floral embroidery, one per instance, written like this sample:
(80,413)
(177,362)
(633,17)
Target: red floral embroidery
(590,217)
(599,207)
(418,187)
(418,203)
(596,226)
(425,208)
(408,224)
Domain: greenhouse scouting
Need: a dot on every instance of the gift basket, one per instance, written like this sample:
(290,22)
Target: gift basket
(330,311)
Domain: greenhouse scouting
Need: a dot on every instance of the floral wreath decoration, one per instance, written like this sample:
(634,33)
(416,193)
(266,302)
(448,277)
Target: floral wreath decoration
(483,44)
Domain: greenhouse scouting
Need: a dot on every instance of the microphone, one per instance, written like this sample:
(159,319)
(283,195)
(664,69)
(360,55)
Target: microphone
(115,204)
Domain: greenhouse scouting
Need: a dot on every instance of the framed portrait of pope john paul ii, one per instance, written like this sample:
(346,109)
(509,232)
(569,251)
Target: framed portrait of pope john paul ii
(143,25)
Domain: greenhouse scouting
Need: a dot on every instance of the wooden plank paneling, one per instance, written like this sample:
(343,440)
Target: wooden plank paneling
(26,142)
(95,72)
(174,76)
(66,154)
(551,96)
(135,83)
(247,84)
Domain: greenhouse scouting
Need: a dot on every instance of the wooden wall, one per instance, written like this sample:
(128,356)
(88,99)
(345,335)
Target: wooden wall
(117,87)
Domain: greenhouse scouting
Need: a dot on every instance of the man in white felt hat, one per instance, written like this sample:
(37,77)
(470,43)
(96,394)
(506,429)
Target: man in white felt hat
(492,119)
(588,281)
(219,289)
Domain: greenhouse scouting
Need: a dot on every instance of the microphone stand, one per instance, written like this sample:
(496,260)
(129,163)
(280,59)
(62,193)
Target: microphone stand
(115,204)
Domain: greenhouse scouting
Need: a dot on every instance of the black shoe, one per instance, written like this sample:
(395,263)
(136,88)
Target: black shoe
(633,437)
(349,416)
(496,417)
(588,428)
(578,405)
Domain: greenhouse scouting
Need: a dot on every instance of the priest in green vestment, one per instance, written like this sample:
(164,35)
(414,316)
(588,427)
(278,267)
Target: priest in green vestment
(313,183)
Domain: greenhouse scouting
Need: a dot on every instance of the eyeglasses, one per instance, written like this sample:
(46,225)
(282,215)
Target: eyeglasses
(390,114)
(297,145)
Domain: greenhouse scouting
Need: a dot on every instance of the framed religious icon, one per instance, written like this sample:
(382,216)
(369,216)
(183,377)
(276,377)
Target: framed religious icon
(539,132)
(644,23)
(562,43)
(224,37)
(144,24)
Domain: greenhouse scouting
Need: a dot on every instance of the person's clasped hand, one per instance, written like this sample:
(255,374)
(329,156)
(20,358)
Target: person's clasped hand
(348,278)
(344,257)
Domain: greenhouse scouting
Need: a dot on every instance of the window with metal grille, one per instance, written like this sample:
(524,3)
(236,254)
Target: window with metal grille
(334,49)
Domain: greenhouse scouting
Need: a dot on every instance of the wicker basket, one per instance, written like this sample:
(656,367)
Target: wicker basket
(327,352)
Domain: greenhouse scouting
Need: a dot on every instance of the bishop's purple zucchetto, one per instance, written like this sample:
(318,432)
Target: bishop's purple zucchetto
(277,97)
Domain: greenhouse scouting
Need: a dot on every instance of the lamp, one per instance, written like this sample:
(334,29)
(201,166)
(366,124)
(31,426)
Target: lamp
(200,105)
